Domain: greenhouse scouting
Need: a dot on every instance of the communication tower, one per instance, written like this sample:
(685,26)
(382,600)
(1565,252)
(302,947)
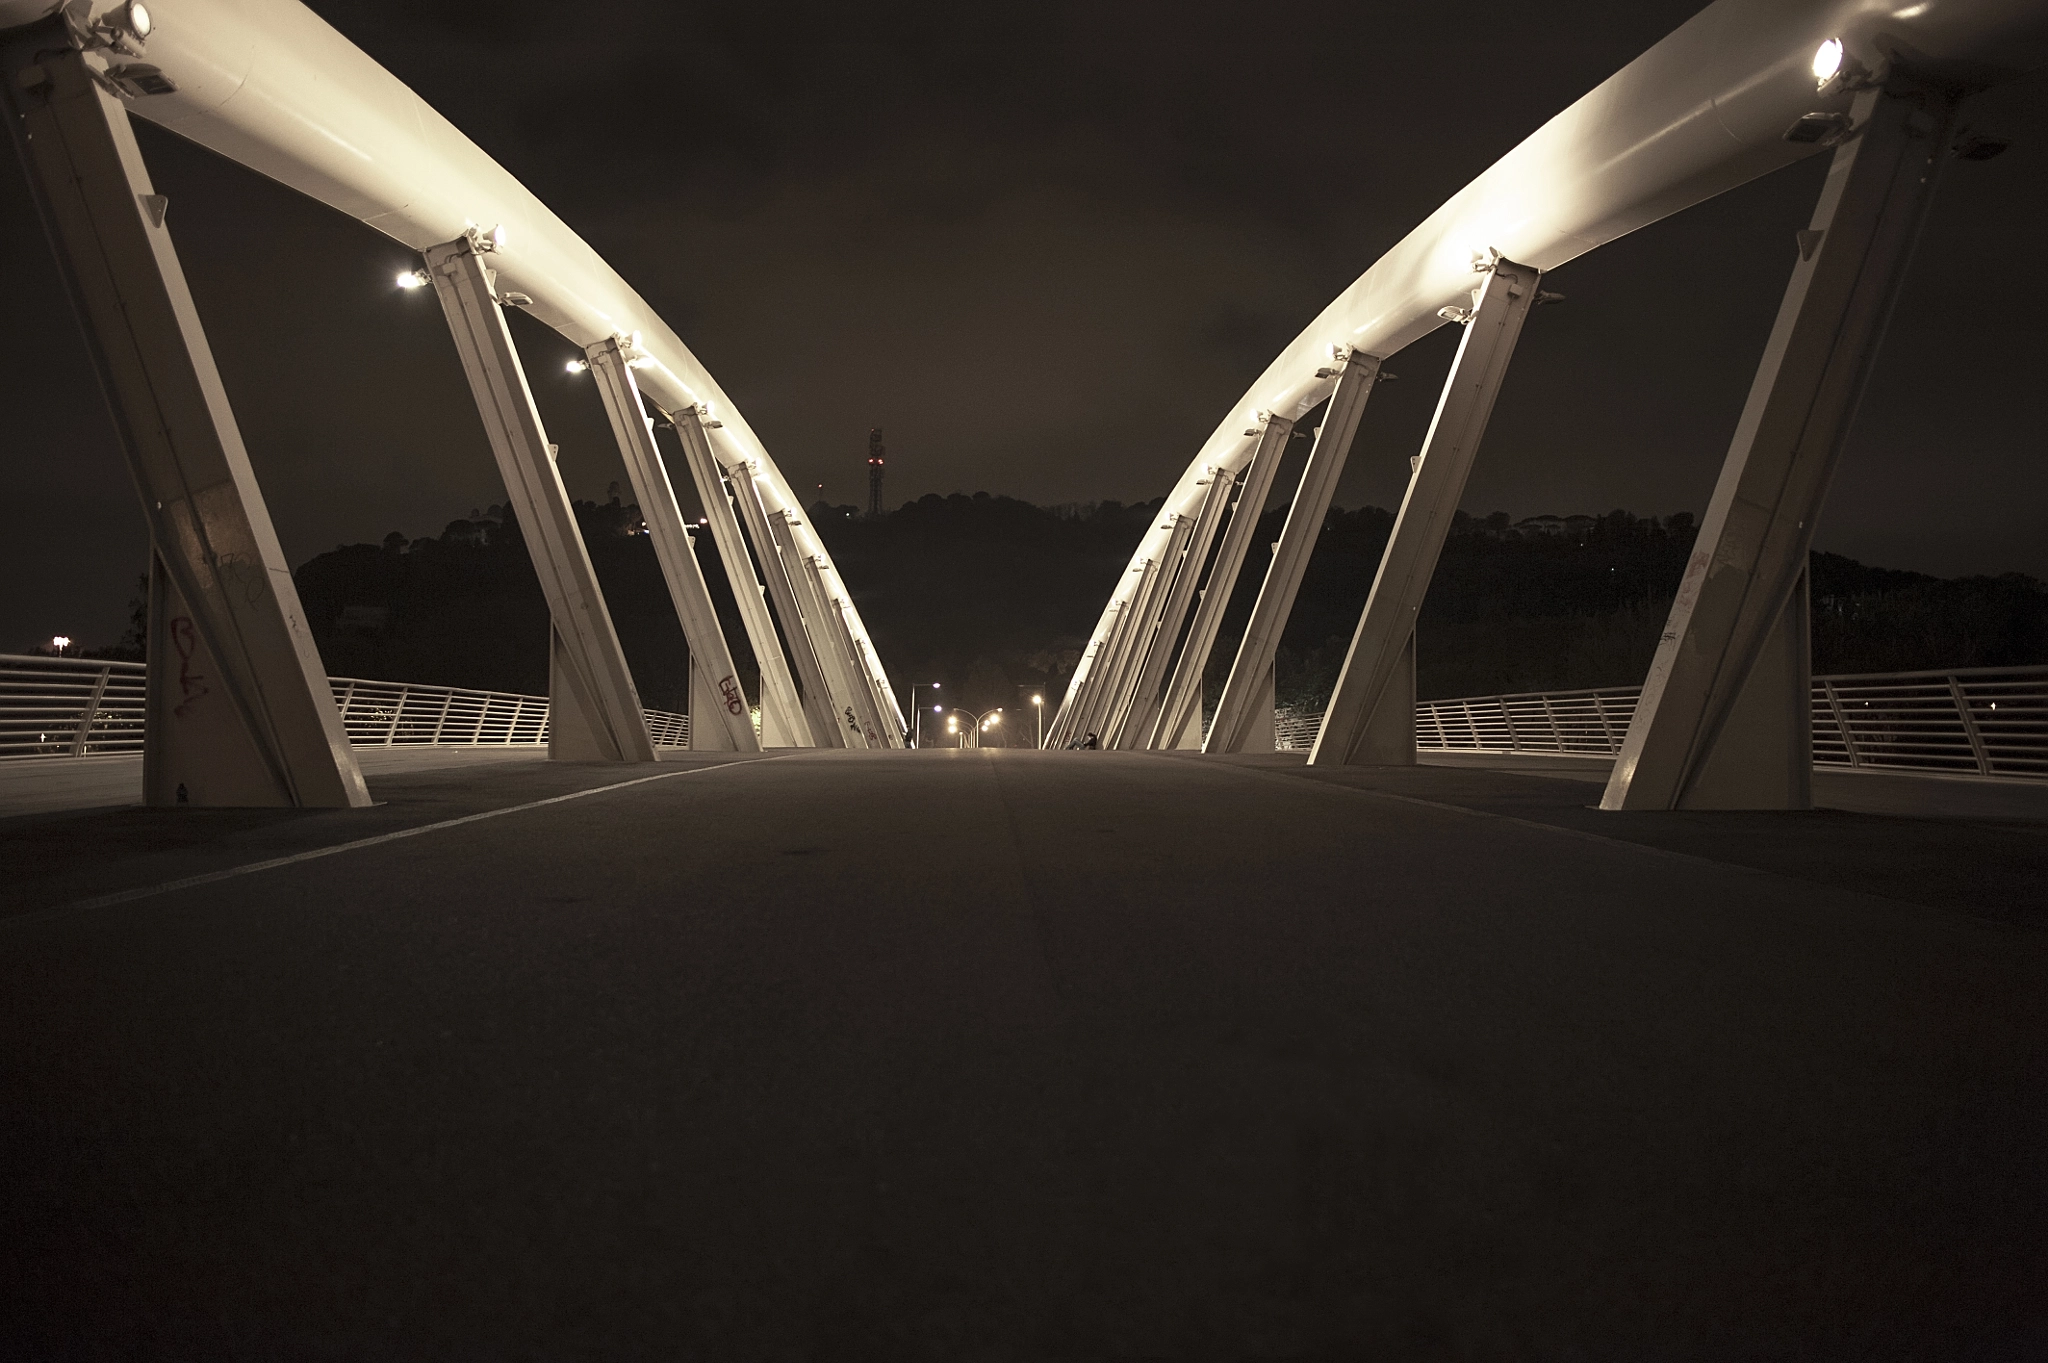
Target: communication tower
(875,452)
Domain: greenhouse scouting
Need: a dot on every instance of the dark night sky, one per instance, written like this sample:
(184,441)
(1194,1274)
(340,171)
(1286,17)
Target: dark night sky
(1045,246)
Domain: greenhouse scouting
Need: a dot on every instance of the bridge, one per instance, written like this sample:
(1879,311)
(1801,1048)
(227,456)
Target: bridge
(345,1017)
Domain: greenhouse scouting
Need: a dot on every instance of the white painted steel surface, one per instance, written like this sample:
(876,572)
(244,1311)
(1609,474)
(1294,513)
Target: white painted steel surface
(1237,725)
(783,722)
(1181,712)
(1135,730)
(1383,646)
(246,722)
(598,717)
(714,677)
(1722,720)
(1702,112)
(270,84)
(82,707)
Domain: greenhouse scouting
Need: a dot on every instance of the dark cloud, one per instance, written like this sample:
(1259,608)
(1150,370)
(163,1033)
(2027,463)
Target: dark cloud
(1045,246)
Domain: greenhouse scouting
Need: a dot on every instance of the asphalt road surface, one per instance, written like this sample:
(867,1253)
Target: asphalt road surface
(1019,1056)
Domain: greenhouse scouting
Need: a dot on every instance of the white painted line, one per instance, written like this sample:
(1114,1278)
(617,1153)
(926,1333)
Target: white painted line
(166,887)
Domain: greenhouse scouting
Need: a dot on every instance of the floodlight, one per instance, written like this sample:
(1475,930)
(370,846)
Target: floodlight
(138,20)
(1827,61)
(498,235)
(577,366)
(412,279)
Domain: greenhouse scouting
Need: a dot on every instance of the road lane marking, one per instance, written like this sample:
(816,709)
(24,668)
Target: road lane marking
(211,877)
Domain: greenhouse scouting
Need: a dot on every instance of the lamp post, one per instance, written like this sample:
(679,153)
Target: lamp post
(917,715)
(60,643)
(1038,707)
(982,723)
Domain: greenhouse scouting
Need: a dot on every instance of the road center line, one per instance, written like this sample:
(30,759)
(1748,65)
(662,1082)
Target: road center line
(210,877)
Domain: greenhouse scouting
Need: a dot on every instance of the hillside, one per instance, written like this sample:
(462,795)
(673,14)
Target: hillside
(995,597)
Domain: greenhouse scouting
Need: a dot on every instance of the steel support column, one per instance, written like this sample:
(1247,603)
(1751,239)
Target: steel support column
(867,703)
(1094,717)
(826,630)
(238,709)
(1084,669)
(1181,710)
(1090,673)
(594,712)
(828,730)
(1136,729)
(1238,710)
(1383,647)
(1151,637)
(714,682)
(893,733)
(1144,629)
(1725,721)
(783,722)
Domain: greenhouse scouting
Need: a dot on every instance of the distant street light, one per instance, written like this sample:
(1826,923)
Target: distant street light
(917,714)
(60,643)
(1038,707)
(981,724)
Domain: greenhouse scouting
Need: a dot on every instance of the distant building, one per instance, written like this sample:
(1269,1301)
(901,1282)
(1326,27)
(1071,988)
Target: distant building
(1576,527)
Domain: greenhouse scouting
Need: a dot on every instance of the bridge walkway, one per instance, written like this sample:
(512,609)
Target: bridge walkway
(1017,1055)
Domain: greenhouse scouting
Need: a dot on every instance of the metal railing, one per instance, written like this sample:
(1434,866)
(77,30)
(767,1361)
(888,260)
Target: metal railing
(1539,721)
(69,707)
(79,707)
(1987,721)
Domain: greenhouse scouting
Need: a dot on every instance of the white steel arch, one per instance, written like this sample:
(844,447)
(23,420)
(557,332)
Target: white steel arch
(271,85)
(1704,111)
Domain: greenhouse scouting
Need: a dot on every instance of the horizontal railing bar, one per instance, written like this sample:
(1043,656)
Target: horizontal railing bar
(43,702)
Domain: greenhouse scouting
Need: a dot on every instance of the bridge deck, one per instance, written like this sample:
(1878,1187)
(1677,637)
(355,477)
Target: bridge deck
(1018,1055)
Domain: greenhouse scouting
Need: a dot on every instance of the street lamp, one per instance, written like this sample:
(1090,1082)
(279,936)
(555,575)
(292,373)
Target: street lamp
(980,723)
(917,715)
(60,643)
(1038,705)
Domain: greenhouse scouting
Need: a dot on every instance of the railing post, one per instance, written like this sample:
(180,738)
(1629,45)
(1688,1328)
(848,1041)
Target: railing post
(1606,724)
(447,700)
(1842,723)
(1955,690)
(90,712)
(1556,731)
(397,714)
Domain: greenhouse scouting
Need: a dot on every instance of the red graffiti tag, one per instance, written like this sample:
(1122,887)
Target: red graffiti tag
(190,684)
